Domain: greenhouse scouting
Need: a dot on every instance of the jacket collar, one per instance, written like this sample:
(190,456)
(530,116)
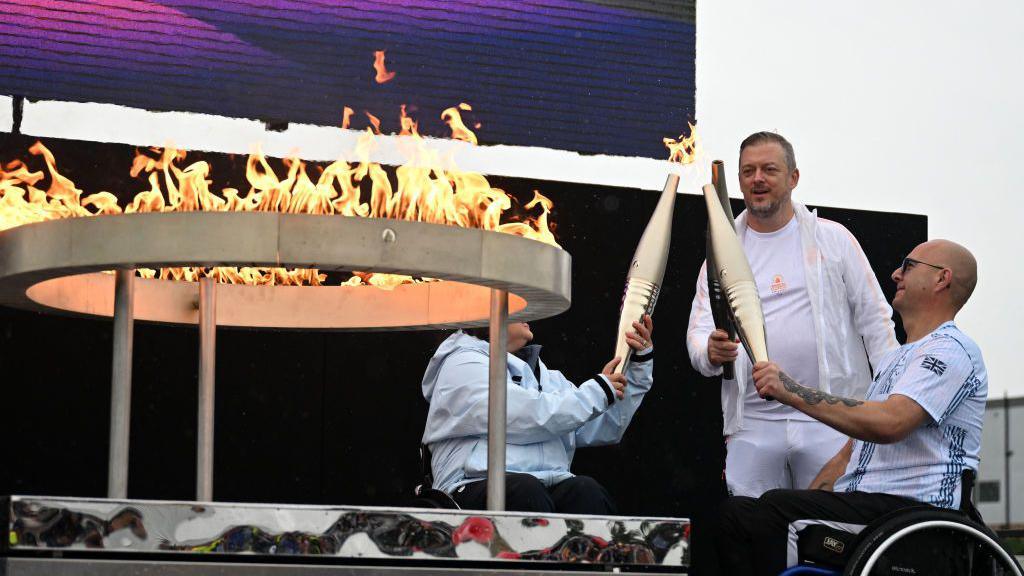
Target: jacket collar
(530,354)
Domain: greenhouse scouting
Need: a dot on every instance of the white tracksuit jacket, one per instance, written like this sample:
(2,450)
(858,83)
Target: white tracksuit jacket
(853,322)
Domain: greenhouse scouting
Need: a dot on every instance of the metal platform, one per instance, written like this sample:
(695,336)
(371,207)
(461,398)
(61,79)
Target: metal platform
(75,567)
(114,537)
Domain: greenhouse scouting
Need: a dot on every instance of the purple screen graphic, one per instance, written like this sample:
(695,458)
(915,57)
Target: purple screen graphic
(594,77)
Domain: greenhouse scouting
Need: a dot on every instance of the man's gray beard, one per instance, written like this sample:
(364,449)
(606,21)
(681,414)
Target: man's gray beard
(765,211)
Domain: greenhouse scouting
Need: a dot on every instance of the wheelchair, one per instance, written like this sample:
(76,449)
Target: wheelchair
(425,495)
(921,540)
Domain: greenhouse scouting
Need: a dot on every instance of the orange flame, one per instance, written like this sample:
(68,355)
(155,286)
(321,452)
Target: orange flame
(408,124)
(453,118)
(684,150)
(346,117)
(425,189)
(382,71)
(374,121)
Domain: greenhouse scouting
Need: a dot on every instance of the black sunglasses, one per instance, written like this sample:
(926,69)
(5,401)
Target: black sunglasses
(908,262)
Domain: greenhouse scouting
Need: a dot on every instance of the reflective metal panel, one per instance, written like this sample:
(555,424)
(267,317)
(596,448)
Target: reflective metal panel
(180,529)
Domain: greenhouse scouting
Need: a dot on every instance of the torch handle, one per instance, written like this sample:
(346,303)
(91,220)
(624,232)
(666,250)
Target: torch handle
(639,299)
(720,312)
(729,368)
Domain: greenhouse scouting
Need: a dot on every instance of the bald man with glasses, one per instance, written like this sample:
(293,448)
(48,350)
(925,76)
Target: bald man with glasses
(910,439)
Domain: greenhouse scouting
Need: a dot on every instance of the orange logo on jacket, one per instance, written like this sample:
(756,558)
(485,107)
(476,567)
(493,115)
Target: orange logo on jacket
(778,284)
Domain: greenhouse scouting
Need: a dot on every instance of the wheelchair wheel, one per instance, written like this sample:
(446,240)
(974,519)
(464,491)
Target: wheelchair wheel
(934,542)
(431,498)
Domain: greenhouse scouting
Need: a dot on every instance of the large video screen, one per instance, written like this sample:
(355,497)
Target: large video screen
(609,77)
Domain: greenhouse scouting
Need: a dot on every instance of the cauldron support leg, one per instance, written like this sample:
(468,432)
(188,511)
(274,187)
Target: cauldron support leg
(496,409)
(207,374)
(121,383)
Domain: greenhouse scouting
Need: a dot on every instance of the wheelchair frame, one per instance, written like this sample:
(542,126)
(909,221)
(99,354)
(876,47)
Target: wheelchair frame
(875,550)
(872,542)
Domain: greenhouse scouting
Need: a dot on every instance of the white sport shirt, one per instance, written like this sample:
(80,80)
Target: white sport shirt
(776,259)
(945,374)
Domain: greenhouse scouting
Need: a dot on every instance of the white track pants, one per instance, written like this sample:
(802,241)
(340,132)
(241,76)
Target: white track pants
(769,454)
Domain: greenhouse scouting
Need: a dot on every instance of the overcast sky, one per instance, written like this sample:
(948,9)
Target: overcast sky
(905,106)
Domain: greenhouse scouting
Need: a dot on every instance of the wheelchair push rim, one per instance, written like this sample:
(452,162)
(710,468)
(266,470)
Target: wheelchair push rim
(1001,553)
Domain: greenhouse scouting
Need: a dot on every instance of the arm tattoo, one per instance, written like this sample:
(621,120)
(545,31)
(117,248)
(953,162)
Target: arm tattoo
(812,396)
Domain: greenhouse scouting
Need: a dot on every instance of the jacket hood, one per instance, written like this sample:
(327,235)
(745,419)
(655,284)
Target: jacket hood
(457,341)
(527,358)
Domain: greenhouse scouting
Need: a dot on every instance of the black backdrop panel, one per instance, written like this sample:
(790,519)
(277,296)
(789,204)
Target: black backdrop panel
(336,418)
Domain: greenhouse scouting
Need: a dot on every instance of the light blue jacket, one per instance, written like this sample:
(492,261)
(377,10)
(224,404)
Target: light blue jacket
(548,417)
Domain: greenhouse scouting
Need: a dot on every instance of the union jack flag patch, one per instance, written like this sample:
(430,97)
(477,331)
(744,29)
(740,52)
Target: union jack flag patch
(934,364)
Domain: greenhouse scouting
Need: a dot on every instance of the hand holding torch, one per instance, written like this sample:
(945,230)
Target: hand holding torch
(646,271)
(736,279)
(719,307)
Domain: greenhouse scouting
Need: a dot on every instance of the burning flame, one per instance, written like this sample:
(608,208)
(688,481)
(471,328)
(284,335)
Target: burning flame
(409,125)
(426,189)
(684,150)
(382,71)
(374,122)
(453,118)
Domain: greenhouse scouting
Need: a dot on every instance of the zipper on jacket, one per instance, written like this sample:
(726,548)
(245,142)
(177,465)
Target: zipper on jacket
(826,381)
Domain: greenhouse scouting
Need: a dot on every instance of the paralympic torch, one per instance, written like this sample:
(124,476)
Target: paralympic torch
(719,307)
(736,278)
(647,270)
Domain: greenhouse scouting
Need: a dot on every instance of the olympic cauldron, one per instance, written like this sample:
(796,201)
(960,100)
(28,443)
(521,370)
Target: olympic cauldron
(488,278)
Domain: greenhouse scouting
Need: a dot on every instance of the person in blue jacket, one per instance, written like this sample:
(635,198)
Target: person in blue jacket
(548,418)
